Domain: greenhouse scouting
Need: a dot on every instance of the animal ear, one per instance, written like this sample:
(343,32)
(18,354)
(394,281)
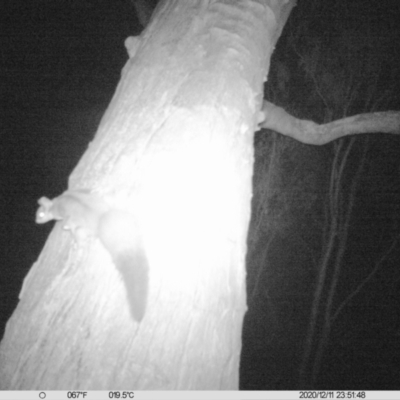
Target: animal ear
(44,214)
(45,202)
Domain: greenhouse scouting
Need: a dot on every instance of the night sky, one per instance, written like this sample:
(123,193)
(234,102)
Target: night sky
(60,64)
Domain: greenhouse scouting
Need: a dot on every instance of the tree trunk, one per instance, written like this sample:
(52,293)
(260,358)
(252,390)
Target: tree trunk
(175,150)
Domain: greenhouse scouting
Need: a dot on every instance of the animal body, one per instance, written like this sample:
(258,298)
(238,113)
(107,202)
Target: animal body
(86,214)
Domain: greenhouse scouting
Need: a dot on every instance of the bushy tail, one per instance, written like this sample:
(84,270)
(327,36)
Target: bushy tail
(121,236)
(135,274)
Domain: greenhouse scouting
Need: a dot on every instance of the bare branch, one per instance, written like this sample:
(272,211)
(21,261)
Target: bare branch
(309,132)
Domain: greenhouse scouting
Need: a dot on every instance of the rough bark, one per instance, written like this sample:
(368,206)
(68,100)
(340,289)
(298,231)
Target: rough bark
(175,149)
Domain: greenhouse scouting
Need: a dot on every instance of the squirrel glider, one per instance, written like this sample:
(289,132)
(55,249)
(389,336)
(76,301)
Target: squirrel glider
(85,214)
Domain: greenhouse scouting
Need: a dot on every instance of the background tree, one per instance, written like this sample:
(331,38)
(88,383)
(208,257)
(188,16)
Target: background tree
(341,75)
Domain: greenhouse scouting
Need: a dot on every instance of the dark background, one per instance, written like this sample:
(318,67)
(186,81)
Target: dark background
(60,64)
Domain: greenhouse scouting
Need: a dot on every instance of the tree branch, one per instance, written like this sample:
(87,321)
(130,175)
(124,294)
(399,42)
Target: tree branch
(309,132)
